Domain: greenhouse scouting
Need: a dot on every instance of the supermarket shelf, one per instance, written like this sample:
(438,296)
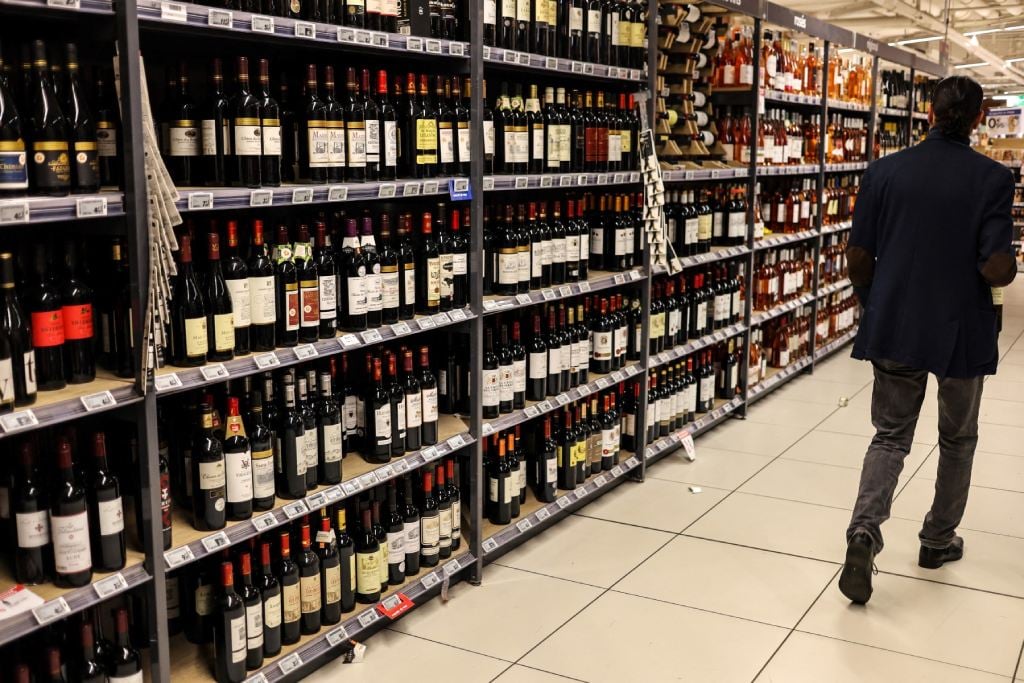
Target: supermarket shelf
(893,111)
(535,516)
(170,380)
(775,380)
(760,317)
(50,209)
(206,199)
(836,227)
(500,183)
(513,58)
(62,6)
(598,280)
(839,105)
(537,408)
(833,346)
(844,167)
(796,169)
(358,475)
(717,254)
(666,444)
(696,345)
(919,116)
(258,27)
(834,287)
(792,98)
(106,392)
(741,95)
(697,174)
(61,603)
(773,241)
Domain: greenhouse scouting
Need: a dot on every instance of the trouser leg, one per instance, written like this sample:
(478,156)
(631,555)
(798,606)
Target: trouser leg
(895,404)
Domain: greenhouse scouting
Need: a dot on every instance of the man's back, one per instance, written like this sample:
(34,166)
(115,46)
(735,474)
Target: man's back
(932,216)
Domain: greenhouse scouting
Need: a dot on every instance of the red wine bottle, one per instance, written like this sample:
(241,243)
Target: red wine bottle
(382,536)
(220,321)
(208,476)
(287,294)
(290,436)
(246,128)
(33,561)
(21,391)
(89,669)
(430,523)
(69,523)
(328,425)
(46,311)
(309,585)
(262,294)
(123,662)
(106,512)
(347,562)
(330,573)
(291,595)
(261,444)
(378,418)
(353,280)
(428,393)
(253,602)
(229,635)
(76,311)
(444,513)
(410,527)
(270,594)
(270,129)
(237,465)
(309,286)
(236,277)
(327,273)
(367,560)
(455,496)
(413,403)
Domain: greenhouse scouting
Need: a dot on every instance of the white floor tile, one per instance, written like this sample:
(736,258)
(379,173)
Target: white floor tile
(590,551)
(741,582)
(990,510)
(815,390)
(499,618)
(524,674)
(656,504)
(806,658)
(846,450)
(784,411)
(712,467)
(1000,438)
(627,638)
(752,437)
(856,422)
(995,387)
(806,482)
(945,623)
(393,656)
(990,470)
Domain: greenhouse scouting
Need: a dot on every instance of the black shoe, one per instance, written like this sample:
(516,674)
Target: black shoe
(855,581)
(932,558)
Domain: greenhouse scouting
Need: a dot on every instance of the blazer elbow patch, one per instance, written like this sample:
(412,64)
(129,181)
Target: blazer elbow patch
(999,270)
(861,266)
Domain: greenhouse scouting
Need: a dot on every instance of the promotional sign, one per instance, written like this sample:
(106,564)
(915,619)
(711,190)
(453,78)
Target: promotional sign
(1004,121)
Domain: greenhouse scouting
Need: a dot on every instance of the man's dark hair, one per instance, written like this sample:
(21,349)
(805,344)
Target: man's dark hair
(956,102)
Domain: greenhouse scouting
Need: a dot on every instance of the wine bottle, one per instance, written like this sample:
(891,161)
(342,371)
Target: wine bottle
(378,418)
(252,600)
(347,562)
(396,396)
(309,286)
(490,392)
(49,167)
(270,595)
(390,148)
(413,404)
(13,159)
(389,278)
(428,270)
(328,424)
(515,471)
(368,554)
(262,294)
(88,669)
(236,277)
(53,667)
(76,311)
(430,523)
(208,476)
(499,488)
(327,274)
(309,584)
(69,524)
(106,512)
(313,134)
(184,142)
(189,339)
(353,270)
(287,293)
(336,153)
(291,595)
(395,527)
(270,130)
(33,561)
(123,662)
(407,269)
(261,443)
(47,323)
(428,392)
(237,465)
(305,388)
(85,166)
(410,527)
(330,573)
(291,434)
(371,114)
(122,339)
(18,386)
(444,513)
(355,130)
(229,633)
(376,499)
(455,495)
(216,134)
(374,291)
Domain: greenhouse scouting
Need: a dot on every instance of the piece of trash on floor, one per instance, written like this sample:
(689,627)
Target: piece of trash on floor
(843,401)
(696,489)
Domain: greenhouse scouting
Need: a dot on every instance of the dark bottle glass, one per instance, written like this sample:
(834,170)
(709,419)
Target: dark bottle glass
(309,286)
(382,536)
(47,131)
(518,353)
(327,276)
(289,158)
(390,282)
(123,663)
(396,393)
(13,157)
(236,278)
(355,129)
(428,391)
(252,600)
(490,391)
(287,291)
(407,280)
(270,130)
(330,573)
(220,321)
(554,343)
(395,529)
(88,668)
(313,134)
(237,465)
(189,341)
(428,269)
(216,132)
(537,363)
(328,425)
(261,441)
(106,512)
(83,146)
(389,144)
(355,13)
(413,403)
(410,527)
(374,292)
(455,496)
(229,635)
(69,524)
(270,595)
(368,556)
(18,386)
(354,271)
(566,460)
(184,138)
(545,467)
(430,523)
(378,418)
(291,595)
(336,136)
(347,562)
(309,585)
(33,561)
(76,311)
(444,513)
(458,247)
(208,477)
(499,485)
(262,293)
(305,390)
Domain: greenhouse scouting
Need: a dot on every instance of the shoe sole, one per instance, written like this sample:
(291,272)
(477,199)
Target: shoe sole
(855,581)
(938,564)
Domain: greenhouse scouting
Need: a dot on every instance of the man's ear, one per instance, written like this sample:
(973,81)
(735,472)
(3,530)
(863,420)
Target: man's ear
(978,119)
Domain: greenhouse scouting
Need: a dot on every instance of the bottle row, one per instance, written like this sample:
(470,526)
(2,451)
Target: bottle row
(788,138)
(58,321)
(782,275)
(836,316)
(897,91)
(785,340)
(259,596)
(57,133)
(685,308)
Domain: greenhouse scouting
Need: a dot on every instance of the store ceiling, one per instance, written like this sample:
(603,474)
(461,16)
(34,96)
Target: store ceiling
(985,37)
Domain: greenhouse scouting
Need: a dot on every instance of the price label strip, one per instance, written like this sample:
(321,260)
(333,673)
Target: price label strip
(395,605)
(293,510)
(99,401)
(178,556)
(54,609)
(215,542)
(12,422)
(110,585)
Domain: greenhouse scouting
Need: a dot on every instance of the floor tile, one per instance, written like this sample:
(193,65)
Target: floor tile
(814,390)
(990,510)
(806,482)
(845,370)
(393,656)
(990,470)
(524,674)
(806,658)
(1011,372)
(712,467)
(467,620)
(753,437)
(590,551)
(993,411)
(780,525)
(627,638)
(995,387)
(998,438)
(656,504)
(846,450)
(855,422)
(784,411)
(945,623)
(728,579)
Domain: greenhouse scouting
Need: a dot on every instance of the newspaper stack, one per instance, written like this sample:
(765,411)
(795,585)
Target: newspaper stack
(662,253)
(162,216)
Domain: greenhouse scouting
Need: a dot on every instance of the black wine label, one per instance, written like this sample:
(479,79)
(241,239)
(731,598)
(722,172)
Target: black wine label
(13,165)
(87,164)
(51,165)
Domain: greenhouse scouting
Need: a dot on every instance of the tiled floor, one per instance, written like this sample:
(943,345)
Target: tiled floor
(737,583)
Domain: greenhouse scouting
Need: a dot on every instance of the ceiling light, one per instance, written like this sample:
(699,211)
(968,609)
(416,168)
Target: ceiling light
(974,41)
(983,32)
(973,65)
(912,41)
(1013,60)
(1014,28)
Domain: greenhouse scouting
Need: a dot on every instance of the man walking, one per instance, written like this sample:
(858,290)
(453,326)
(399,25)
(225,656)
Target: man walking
(931,235)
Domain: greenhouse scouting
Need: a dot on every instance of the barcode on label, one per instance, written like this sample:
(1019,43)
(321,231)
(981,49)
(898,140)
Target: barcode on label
(173,11)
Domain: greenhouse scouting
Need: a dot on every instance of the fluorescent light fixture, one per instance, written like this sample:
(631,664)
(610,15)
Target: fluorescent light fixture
(982,32)
(1013,60)
(1014,28)
(847,49)
(1005,98)
(974,65)
(912,41)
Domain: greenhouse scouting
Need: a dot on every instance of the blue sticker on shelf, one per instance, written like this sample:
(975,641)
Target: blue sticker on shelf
(460,189)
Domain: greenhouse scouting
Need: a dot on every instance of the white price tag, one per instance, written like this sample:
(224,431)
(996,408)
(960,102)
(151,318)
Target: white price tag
(302,195)
(90,207)
(261,24)
(264,522)
(565,290)
(635,275)
(456,442)
(368,480)
(441,318)
(430,580)
(456,49)
(632,462)
(368,617)
(562,399)
(524,525)
(431,187)
(430,453)
(545,406)
(522,182)
(333,494)
(582,179)
(12,422)
(634,177)
(215,542)
(198,201)
(577,67)
(99,401)
(490,305)
(261,198)
(348,341)
(546,181)
(617,471)
(487,52)
(602,179)
(580,492)
(588,68)
(167,382)
(458,315)
(178,556)
(14,212)
(304,351)
(386,191)
(619,279)
(401,466)
(523,299)
(619,178)
(385,472)
(550,63)
(584,390)
(295,509)
(363,37)
(304,29)
(565,181)
(489,545)
(371,336)
(600,480)
(426,323)
(173,11)
(531,411)
(602,382)
(110,585)
(48,611)
(214,372)
(266,360)
(542,514)
(432,47)
(548,294)
(488,183)
(337,636)
(487,428)
(688,447)
(524,59)
(350,487)
(509,57)
(220,18)
(346,35)
(414,44)
(316,501)
(399,329)
(66,4)
(412,189)
(618,376)
(290,663)
(563,501)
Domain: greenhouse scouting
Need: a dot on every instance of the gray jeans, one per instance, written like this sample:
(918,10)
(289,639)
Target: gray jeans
(895,405)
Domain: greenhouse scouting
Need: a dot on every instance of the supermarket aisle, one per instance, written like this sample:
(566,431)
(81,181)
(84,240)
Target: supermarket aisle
(735,580)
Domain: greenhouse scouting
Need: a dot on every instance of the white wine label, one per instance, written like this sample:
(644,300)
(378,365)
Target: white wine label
(211,475)
(429,405)
(411,536)
(430,535)
(254,626)
(328,297)
(332,443)
(33,528)
(238,466)
(111,514)
(272,611)
(71,549)
(263,301)
(241,301)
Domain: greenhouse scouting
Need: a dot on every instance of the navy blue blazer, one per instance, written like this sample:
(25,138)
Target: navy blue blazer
(932,217)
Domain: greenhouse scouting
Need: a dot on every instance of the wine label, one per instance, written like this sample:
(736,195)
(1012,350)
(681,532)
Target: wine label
(430,535)
(445,527)
(13,165)
(223,331)
(71,549)
(446,142)
(426,141)
(603,346)
(111,513)
(204,600)
(382,424)
(263,473)
(211,475)
(374,289)
(270,133)
(196,342)
(357,293)
(328,304)
(77,321)
(433,281)
(382,563)
(184,139)
(332,584)
(356,144)
(332,443)
(505,388)
(33,529)
(396,549)
(272,611)
(429,405)
(390,143)
(292,603)
(238,467)
(310,588)
(488,138)
(254,626)
(310,449)
(237,630)
(87,163)
(6,383)
(447,281)
(262,300)
(373,141)
(367,573)
(508,267)
(241,301)
(490,391)
(50,164)
(318,144)
(309,293)
(208,137)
